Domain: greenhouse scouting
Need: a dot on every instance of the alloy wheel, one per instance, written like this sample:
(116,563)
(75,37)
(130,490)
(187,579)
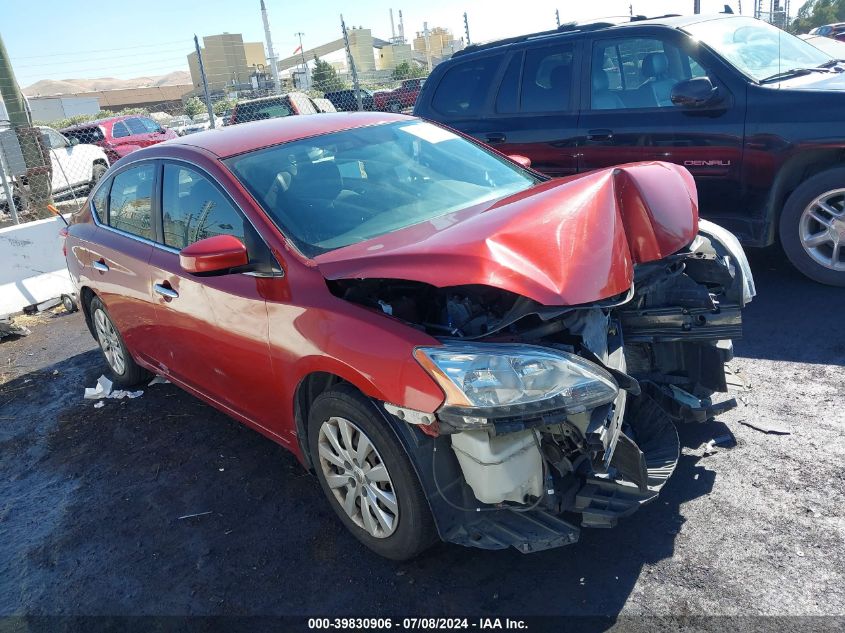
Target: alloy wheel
(109,342)
(821,229)
(358,477)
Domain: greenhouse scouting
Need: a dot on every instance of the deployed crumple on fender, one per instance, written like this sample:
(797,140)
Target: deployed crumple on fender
(563,242)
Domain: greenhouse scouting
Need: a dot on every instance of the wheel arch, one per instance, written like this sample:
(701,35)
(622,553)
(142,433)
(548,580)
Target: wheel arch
(795,171)
(85,296)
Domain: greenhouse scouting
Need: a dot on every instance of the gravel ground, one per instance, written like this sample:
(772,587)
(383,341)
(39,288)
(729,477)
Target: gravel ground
(91,500)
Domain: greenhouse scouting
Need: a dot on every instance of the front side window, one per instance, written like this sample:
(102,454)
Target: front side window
(262,110)
(53,139)
(463,89)
(633,73)
(338,189)
(756,48)
(130,199)
(194,209)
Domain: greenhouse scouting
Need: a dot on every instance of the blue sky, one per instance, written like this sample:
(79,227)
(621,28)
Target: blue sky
(61,39)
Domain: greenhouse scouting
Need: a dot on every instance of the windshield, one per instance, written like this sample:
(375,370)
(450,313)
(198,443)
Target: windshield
(757,48)
(343,188)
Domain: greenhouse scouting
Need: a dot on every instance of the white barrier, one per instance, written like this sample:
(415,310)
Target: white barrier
(32,267)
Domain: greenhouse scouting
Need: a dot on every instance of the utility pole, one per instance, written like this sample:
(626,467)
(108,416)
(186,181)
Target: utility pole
(427,46)
(557,18)
(204,82)
(305,83)
(696,6)
(466,28)
(35,158)
(631,9)
(274,67)
(351,61)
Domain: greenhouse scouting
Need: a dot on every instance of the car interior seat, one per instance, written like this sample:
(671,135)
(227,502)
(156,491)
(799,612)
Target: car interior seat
(658,84)
(603,98)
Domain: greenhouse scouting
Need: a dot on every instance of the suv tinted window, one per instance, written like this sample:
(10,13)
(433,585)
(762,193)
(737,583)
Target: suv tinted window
(547,78)
(193,209)
(464,87)
(508,98)
(130,199)
(638,73)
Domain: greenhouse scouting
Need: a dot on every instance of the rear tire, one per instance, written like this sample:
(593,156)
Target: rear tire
(812,227)
(124,371)
(96,173)
(351,445)
(394,107)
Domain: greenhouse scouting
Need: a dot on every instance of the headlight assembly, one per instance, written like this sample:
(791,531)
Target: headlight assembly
(503,380)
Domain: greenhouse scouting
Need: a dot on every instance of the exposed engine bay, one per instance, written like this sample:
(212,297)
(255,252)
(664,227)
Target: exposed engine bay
(584,424)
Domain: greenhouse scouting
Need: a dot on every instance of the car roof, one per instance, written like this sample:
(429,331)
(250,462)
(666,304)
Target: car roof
(671,20)
(237,139)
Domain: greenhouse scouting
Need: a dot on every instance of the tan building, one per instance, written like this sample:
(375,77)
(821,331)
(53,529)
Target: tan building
(441,42)
(390,56)
(228,61)
(361,47)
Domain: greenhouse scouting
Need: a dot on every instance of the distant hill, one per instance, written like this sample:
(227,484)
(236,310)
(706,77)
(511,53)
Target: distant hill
(48,87)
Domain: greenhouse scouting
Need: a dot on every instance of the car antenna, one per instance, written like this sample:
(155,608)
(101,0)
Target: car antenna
(52,209)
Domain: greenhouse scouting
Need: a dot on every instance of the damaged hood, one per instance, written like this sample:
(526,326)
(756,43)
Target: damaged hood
(562,242)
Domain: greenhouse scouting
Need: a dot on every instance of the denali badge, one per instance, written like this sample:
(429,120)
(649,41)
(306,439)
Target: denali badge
(707,163)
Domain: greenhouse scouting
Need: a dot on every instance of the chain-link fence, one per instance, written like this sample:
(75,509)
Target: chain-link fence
(56,163)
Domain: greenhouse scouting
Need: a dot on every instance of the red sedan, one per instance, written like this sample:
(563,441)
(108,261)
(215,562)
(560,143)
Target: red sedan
(457,346)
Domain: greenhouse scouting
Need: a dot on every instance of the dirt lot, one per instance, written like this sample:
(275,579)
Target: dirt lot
(90,501)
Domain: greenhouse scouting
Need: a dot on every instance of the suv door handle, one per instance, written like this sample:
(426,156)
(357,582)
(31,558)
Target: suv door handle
(495,137)
(166,291)
(599,135)
(100,265)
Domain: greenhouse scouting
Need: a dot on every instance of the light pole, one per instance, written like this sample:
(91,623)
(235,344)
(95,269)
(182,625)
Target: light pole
(304,64)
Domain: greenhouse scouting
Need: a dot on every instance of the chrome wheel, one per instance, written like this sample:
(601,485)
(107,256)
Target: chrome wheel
(358,477)
(822,230)
(109,342)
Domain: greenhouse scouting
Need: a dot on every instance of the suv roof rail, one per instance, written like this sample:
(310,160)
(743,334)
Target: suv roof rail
(567,27)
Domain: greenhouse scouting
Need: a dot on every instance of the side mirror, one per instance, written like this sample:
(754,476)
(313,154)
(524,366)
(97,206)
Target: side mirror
(72,140)
(214,255)
(694,93)
(522,160)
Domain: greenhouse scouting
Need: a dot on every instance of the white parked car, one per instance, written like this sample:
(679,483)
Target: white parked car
(75,166)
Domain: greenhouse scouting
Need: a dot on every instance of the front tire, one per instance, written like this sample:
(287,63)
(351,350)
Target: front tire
(367,476)
(96,173)
(124,371)
(812,227)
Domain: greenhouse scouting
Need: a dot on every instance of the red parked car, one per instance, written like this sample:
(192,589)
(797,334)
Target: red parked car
(457,346)
(120,135)
(401,98)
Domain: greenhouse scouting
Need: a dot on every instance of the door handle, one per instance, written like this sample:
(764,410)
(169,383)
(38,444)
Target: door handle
(166,291)
(100,265)
(495,137)
(599,135)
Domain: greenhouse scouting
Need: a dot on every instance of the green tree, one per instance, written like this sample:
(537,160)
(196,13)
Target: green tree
(406,70)
(324,76)
(815,13)
(224,104)
(194,106)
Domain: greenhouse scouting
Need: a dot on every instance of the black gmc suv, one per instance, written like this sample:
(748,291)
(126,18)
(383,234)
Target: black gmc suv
(756,114)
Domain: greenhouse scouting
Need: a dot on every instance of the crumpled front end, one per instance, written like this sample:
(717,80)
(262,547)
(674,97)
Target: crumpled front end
(559,416)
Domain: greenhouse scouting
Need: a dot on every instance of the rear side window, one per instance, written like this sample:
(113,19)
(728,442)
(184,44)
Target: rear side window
(119,129)
(193,209)
(463,89)
(99,202)
(137,126)
(86,134)
(130,207)
(262,110)
(547,79)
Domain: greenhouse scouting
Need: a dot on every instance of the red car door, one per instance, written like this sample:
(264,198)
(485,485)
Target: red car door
(116,257)
(211,331)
